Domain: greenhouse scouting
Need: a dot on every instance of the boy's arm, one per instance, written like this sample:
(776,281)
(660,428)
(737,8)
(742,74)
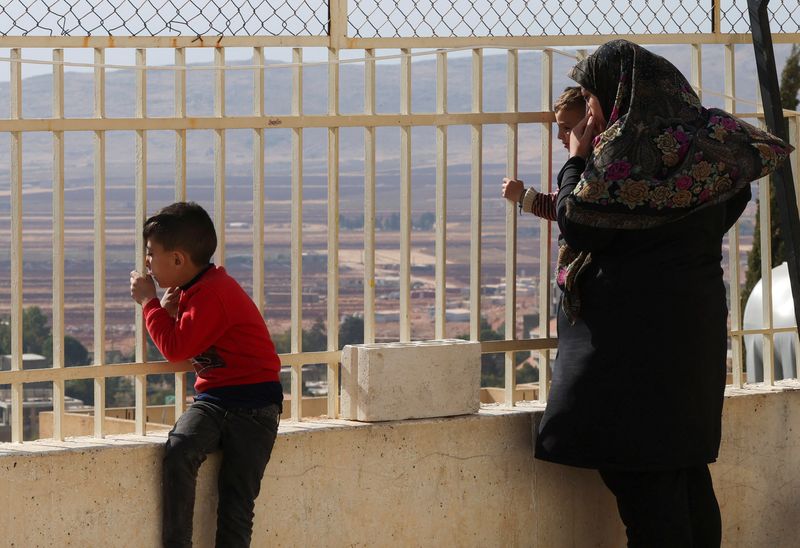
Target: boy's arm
(198,327)
(540,204)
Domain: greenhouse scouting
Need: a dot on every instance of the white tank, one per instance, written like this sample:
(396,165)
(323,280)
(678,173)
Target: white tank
(782,316)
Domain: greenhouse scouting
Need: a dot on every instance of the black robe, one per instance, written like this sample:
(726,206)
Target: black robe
(639,379)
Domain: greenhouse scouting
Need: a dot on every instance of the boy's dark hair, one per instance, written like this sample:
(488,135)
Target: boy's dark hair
(185,226)
(571,97)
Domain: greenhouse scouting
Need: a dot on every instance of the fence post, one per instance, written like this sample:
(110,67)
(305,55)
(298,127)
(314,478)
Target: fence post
(337,23)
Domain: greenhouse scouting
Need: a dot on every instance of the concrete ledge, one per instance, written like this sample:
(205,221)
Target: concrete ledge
(462,481)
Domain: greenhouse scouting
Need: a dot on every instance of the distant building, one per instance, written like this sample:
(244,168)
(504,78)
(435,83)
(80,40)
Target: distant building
(457,315)
(387,316)
(31,407)
(29,361)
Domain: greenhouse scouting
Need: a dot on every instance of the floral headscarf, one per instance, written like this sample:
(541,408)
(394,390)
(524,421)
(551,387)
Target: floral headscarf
(663,155)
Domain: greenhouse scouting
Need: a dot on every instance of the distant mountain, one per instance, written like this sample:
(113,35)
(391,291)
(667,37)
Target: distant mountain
(120,101)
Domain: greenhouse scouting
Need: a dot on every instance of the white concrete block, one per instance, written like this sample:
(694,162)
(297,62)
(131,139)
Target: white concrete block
(396,381)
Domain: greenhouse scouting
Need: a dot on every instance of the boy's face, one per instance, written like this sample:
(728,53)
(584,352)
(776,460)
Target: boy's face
(168,268)
(566,119)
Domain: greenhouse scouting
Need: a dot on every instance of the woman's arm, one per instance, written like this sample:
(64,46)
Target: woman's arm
(735,206)
(579,237)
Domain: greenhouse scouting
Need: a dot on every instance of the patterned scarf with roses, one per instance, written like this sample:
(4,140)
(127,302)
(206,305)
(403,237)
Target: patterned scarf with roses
(662,156)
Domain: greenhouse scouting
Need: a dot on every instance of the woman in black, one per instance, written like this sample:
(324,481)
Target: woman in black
(653,182)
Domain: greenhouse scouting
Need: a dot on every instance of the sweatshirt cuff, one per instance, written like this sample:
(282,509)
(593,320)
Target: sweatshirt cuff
(151,305)
(527,200)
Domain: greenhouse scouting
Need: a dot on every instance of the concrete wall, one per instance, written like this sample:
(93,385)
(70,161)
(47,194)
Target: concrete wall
(464,481)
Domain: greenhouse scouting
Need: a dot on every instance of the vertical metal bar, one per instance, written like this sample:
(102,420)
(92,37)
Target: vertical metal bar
(369,199)
(58,243)
(730,78)
(545,226)
(733,235)
(180,134)
(405,199)
(333,231)
(180,187)
(697,69)
(258,180)
(511,229)
(16,246)
(297,234)
(140,381)
(476,199)
(440,305)
(736,307)
(765,241)
(219,154)
(99,251)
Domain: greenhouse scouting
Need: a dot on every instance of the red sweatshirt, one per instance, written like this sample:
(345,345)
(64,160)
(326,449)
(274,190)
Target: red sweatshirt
(219,329)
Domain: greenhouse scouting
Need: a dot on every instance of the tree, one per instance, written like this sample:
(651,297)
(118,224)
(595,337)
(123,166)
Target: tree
(425,221)
(74,351)
(35,330)
(315,340)
(35,333)
(389,223)
(351,331)
(790,85)
(282,342)
(5,336)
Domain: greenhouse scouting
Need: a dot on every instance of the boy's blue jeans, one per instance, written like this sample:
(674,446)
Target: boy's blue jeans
(246,437)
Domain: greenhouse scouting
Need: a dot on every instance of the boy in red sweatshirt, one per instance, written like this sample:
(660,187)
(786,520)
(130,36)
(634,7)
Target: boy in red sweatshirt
(206,317)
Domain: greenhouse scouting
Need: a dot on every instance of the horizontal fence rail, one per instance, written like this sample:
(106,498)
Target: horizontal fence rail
(345,25)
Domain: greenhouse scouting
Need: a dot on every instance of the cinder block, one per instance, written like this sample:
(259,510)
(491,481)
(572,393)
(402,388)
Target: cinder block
(396,381)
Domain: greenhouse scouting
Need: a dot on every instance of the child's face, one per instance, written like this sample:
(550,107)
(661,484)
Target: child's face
(165,266)
(566,119)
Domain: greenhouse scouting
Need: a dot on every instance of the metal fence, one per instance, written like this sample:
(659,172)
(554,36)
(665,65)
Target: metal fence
(164,18)
(259,122)
(382,18)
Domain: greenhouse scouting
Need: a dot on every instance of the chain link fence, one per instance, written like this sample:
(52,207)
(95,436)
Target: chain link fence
(381,18)
(448,18)
(164,17)
(784,16)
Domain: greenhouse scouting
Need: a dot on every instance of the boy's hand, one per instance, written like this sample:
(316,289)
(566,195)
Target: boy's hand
(143,288)
(512,190)
(169,301)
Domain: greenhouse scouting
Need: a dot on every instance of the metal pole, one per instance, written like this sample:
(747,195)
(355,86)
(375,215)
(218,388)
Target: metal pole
(773,115)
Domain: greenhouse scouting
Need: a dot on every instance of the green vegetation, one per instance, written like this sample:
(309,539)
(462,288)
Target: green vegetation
(37,338)
(493,365)
(391,222)
(351,331)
